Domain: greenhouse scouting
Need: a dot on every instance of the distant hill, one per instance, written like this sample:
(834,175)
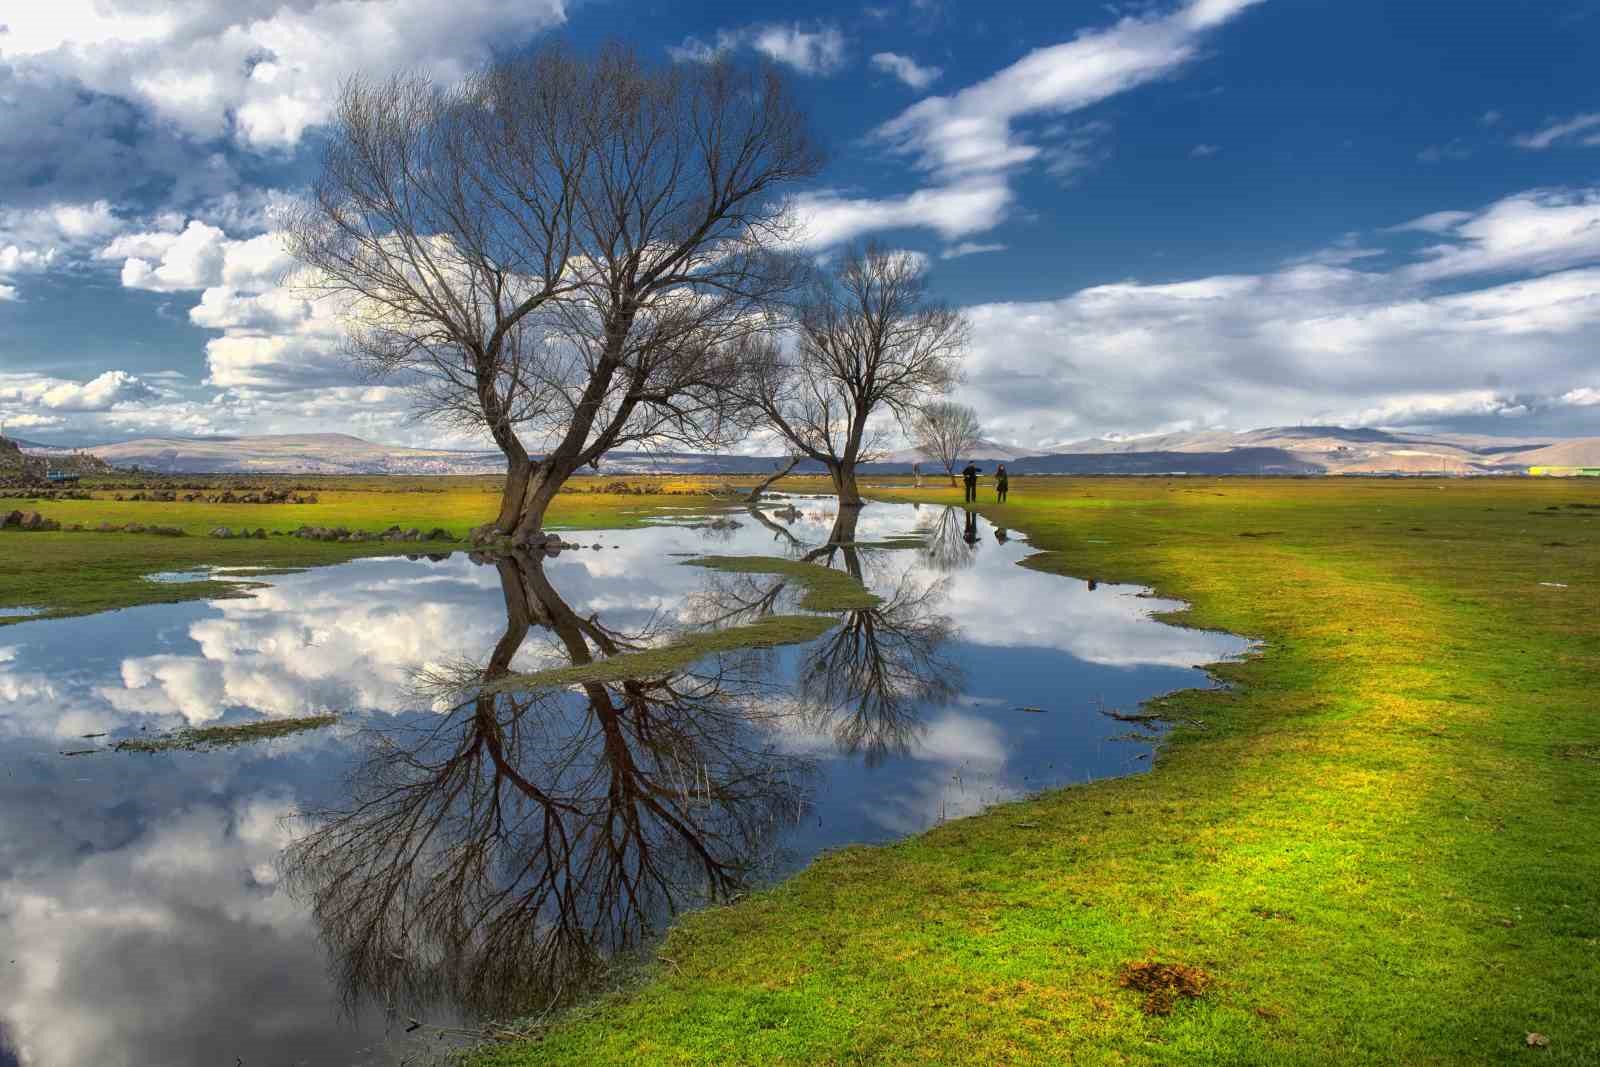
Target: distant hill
(1297,450)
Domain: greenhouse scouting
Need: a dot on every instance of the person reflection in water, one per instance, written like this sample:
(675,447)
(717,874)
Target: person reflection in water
(969,475)
(1000,535)
(494,858)
(971,535)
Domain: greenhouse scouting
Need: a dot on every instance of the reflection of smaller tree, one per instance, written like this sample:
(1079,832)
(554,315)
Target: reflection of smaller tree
(867,681)
(946,547)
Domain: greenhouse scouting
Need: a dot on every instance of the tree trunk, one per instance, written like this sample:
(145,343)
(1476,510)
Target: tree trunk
(544,482)
(844,484)
(518,471)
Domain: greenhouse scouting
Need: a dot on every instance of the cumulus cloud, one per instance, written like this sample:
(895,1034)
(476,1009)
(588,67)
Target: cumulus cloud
(261,72)
(1309,342)
(819,51)
(102,393)
(199,256)
(1580,130)
(969,142)
(906,69)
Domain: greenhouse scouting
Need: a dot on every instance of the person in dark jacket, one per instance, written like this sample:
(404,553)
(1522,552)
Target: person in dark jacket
(969,474)
(1001,482)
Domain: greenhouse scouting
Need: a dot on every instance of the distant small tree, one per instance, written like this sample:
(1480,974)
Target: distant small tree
(868,342)
(945,431)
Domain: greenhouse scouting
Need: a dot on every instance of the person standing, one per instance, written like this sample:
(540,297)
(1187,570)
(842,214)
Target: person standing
(1001,482)
(969,475)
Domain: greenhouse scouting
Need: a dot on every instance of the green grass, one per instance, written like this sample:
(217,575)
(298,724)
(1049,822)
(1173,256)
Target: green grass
(1382,846)
(206,738)
(681,652)
(825,589)
(78,573)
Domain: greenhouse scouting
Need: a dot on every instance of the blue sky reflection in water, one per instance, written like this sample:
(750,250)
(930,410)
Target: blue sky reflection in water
(142,898)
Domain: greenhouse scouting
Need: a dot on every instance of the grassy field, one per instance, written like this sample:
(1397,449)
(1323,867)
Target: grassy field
(1379,844)
(76,573)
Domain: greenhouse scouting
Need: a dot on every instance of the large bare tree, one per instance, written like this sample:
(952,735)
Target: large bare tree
(562,251)
(945,431)
(868,342)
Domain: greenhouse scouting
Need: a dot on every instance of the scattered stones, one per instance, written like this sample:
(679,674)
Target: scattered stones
(392,534)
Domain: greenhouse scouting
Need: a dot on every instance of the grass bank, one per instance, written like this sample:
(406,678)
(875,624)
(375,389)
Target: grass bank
(77,573)
(1380,844)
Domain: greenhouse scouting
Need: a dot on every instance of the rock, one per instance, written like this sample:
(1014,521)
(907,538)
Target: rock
(260,534)
(439,533)
(222,533)
(134,527)
(11,518)
(31,520)
(165,531)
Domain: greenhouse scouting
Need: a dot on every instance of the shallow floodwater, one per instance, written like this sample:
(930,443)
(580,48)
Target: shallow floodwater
(448,850)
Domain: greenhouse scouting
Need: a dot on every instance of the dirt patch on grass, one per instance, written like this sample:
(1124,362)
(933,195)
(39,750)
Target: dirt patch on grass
(1588,752)
(1163,983)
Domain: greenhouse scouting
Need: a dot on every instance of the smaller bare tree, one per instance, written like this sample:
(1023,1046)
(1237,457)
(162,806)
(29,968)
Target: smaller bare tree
(945,431)
(869,342)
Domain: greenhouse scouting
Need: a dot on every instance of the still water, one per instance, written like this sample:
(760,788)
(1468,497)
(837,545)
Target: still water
(448,851)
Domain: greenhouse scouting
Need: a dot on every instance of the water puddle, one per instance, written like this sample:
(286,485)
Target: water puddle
(187,905)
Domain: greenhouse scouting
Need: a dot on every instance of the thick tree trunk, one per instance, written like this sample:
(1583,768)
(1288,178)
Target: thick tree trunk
(518,471)
(844,484)
(544,482)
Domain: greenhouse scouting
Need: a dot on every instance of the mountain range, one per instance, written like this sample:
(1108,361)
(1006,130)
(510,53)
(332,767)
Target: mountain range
(1301,450)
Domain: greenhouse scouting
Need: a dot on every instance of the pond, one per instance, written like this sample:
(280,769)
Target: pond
(455,846)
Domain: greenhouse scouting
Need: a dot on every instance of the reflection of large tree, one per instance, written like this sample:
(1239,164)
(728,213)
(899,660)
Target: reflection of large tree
(499,855)
(866,681)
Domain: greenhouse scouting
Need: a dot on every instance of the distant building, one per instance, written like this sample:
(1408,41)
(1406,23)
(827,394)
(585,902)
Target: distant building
(1565,472)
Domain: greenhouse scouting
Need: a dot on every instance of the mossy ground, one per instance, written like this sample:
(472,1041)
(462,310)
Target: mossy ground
(681,652)
(1381,846)
(206,738)
(78,573)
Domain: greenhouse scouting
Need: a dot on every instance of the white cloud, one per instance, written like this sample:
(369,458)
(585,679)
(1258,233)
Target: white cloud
(970,248)
(103,393)
(8,292)
(1202,151)
(199,257)
(1539,230)
(1584,397)
(819,51)
(1307,343)
(261,71)
(969,144)
(830,218)
(906,69)
(1580,129)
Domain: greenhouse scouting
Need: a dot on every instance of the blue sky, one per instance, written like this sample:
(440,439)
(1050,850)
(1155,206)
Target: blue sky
(1185,214)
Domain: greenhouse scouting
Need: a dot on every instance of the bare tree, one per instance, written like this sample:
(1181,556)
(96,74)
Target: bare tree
(868,342)
(945,431)
(562,251)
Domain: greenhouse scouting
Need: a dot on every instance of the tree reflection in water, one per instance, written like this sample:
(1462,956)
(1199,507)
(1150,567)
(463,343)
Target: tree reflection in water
(867,681)
(946,547)
(498,857)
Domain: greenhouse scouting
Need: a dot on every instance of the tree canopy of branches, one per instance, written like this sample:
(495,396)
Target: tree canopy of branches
(868,342)
(562,251)
(945,431)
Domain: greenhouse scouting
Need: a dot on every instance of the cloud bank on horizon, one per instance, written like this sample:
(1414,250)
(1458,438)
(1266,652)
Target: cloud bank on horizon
(1154,222)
